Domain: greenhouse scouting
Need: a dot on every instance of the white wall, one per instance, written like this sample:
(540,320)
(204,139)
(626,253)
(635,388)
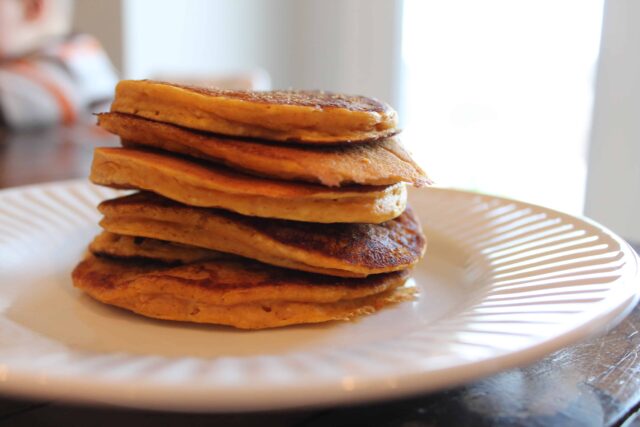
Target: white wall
(613,183)
(103,19)
(348,46)
(343,45)
(204,36)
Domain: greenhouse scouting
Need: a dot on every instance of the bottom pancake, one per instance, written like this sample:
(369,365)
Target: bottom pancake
(240,293)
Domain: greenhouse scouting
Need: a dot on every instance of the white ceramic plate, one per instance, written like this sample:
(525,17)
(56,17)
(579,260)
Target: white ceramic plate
(503,284)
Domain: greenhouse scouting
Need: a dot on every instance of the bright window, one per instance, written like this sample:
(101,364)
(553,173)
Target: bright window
(498,94)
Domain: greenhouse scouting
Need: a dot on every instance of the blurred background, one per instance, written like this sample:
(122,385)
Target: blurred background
(529,100)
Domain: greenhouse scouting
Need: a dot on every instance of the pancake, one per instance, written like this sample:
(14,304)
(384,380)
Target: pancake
(117,245)
(312,117)
(351,250)
(383,162)
(239,293)
(197,184)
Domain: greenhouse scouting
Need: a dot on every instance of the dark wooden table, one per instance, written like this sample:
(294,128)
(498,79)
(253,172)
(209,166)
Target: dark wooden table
(594,383)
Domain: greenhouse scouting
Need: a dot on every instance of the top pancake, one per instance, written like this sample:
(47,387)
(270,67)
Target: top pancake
(381,162)
(312,117)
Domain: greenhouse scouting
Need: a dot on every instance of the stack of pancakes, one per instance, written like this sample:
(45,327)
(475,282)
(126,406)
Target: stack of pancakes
(255,209)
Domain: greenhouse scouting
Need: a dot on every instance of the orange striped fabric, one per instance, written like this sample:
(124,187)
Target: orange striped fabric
(31,71)
(57,85)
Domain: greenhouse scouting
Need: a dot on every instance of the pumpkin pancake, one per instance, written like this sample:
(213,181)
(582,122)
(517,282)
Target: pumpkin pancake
(193,183)
(382,162)
(129,247)
(312,117)
(351,250)
(240,293)
(117,245)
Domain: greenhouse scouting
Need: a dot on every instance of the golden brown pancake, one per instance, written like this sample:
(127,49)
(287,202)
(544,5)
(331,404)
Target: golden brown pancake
(351,250)
(206,185)
(240,293)
(289,116)
(382,162)
(118,245)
